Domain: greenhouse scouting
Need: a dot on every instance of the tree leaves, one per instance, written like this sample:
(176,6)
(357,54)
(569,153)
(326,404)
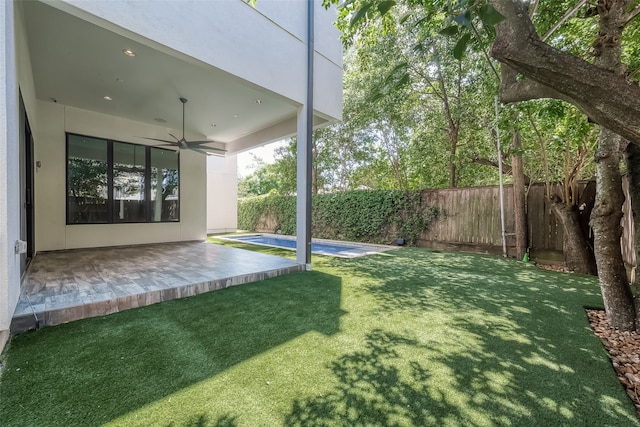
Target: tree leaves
(489,15)
(360,13)
(463,19)
(385,6)
(366,8)
(461,46)
(451,30)
(397,77)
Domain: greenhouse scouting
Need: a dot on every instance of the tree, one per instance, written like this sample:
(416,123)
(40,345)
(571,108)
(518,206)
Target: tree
(601,90)
(565,140)
(263,180)
(519,48)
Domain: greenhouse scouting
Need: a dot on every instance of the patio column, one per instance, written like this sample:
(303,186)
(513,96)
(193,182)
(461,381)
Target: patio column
(305,135)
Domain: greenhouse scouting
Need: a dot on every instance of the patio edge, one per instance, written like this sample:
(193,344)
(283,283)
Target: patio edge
(26,322)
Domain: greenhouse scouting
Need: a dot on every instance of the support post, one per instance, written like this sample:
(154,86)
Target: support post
(304,161)
(504,234)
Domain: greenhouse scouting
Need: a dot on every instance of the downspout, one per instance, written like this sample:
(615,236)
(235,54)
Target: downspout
(303,228)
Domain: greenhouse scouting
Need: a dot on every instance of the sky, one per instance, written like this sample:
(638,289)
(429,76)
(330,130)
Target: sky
(245,159)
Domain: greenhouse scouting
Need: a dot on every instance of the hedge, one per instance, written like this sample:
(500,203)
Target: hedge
(378,216)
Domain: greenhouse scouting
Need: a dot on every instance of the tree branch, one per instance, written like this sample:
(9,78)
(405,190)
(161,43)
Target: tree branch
(632,15)
(486,55)
(564,19)
(512,90)
(608,99)
(534,8)
(506,168)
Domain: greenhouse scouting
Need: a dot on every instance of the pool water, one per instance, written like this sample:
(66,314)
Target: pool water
(345,250)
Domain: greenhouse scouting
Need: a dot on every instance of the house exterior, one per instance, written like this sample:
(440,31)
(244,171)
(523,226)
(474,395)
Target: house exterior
(90,90)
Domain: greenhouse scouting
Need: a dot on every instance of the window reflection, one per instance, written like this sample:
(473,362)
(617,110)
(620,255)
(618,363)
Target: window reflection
(164,185)
(87,180)
(117,182)
(128,182)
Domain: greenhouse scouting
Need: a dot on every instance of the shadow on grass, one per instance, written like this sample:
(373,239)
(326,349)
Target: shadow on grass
(494,342)
(205,421)
(92,371)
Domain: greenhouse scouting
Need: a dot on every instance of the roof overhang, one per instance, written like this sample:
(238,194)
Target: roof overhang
(78,60)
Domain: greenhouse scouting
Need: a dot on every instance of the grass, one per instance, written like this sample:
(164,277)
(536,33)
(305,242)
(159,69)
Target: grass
(407,337)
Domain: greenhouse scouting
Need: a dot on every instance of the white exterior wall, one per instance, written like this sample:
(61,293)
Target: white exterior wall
(10,172)
(222,194)
(52,233)
(265,45)
(25,70)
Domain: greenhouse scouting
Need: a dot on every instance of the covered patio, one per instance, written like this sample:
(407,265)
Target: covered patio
(62,286)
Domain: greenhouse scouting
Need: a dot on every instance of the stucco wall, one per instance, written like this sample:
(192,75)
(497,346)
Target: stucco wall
(263,45)
(10,172)
(25,70)
(52,233)
(222,194)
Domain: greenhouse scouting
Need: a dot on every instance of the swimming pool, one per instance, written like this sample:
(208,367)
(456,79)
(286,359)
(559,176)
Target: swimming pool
(321,247)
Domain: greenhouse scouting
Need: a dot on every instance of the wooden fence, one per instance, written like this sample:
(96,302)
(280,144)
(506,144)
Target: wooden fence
(470,220)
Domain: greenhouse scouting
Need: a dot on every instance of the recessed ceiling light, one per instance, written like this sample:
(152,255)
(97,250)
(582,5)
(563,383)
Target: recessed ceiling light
(108,98)
(160,120)
(129,52)
(258,101)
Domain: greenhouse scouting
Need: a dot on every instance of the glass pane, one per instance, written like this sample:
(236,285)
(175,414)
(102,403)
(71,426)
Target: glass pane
(86,180)
(128,182)
(165,200)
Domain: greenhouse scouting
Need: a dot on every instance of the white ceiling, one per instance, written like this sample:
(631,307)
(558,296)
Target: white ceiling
(78,64)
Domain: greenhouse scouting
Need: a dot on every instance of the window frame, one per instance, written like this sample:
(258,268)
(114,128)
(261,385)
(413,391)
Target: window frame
(110,183)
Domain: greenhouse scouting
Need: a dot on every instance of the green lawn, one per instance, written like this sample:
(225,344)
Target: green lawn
(407,337)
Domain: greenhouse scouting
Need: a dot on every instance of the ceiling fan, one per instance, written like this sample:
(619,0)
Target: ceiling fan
(182,143)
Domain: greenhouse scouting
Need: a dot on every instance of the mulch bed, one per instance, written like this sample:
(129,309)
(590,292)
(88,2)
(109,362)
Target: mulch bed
(624,351)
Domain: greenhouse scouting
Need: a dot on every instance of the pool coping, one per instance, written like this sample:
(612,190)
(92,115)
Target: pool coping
(376,248)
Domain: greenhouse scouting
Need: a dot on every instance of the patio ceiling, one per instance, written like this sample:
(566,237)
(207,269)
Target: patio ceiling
(78,63)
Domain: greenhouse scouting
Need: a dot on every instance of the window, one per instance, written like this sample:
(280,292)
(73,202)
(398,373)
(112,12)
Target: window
(116,182)
(164,185)
(87,180)
(128,182)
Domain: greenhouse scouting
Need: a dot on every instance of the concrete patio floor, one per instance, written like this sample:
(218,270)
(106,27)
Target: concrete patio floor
(63,286)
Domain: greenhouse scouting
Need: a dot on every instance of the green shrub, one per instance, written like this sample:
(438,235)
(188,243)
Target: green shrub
(364,216)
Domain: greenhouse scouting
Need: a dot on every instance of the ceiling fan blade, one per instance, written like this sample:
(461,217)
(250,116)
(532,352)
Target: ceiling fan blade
(158,139)
(182,143)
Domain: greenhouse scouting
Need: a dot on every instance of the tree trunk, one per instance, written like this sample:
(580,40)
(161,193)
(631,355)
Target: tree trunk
(314,179)
(519,199)
(607,213)
(633,170)
(577,252)
(452,170)
(605,220)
